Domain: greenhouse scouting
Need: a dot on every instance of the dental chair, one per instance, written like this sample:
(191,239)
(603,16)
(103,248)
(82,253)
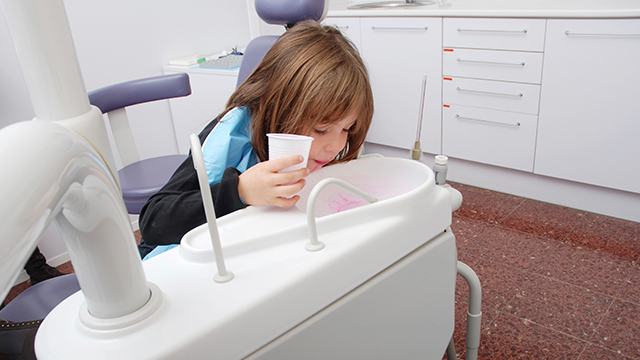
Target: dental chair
(139,179)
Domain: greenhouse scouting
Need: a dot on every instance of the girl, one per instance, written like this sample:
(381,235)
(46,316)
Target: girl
(311,82)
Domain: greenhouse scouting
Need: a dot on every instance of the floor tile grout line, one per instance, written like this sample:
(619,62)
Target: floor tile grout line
(613,297)
(549,328)
(500,220)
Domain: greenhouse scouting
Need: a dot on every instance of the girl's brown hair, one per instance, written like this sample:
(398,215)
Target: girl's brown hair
(311,76)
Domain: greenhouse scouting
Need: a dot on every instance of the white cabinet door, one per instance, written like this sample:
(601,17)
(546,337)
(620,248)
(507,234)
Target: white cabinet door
(399,52)
(589,108)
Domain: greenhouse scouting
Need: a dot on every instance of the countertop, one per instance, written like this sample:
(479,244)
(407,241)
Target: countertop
(503,8)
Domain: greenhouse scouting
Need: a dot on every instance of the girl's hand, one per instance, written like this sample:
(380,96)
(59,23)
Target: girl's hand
(263,185)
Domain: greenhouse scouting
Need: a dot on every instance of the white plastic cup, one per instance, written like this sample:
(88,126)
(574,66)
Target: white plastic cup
(283,145)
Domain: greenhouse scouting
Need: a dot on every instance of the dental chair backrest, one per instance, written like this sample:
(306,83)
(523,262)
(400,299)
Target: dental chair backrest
(278,12)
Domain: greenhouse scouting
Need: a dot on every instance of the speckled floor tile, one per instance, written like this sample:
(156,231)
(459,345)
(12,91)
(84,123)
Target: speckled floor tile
(500,285)
(593,352)
(542,219)
(631,291)
(468,233)
(513,248)
(560,306)
(510,337)
(485,205)
(615,236)
(620,329)
(594,270)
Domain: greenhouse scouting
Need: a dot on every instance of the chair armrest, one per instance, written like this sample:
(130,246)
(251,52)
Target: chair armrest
(139,91)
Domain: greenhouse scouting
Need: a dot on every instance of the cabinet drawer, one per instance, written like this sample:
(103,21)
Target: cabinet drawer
(488,136)
(499,34)
(497,95)
(515,66)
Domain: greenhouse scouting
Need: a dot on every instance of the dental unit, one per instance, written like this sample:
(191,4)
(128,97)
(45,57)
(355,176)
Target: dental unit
(364,266)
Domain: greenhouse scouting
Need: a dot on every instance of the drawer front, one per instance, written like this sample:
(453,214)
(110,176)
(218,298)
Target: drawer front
(496,95)
(488,136)
(499,34)
(515,66)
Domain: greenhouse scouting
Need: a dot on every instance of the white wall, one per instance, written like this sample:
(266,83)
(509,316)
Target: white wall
(120,40)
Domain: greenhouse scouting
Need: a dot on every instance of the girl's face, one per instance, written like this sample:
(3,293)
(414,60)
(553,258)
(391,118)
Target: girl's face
(329,140)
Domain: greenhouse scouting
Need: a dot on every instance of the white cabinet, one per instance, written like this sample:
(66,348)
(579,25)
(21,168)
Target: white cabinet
(589,112)
(398,53)
(210,90)
(492,70)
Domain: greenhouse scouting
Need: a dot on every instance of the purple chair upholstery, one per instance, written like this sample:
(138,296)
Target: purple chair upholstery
(143,178)
(38,300)
(291,11)
(140,91)
(253,55)
(277,12)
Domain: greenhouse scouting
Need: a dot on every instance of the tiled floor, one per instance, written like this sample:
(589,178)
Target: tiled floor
(557,283)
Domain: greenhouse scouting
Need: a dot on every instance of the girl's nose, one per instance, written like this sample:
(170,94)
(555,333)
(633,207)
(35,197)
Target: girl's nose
(333,144)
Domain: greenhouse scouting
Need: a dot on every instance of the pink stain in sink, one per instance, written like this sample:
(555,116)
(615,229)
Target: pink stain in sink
(342,202)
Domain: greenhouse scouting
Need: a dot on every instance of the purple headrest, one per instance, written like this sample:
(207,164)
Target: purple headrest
(289,12)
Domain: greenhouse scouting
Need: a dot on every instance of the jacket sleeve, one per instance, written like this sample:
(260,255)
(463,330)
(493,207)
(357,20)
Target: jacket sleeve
(177,207)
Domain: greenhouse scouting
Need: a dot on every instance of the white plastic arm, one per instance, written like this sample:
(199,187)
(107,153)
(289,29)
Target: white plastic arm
(53,173)
(198,162)
(314,244)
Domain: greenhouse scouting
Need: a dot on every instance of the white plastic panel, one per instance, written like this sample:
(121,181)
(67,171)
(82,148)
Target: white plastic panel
(499,34)
(589,108)
(497,95)
(405,312)
(398,52)
(514,66)
(492,137)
